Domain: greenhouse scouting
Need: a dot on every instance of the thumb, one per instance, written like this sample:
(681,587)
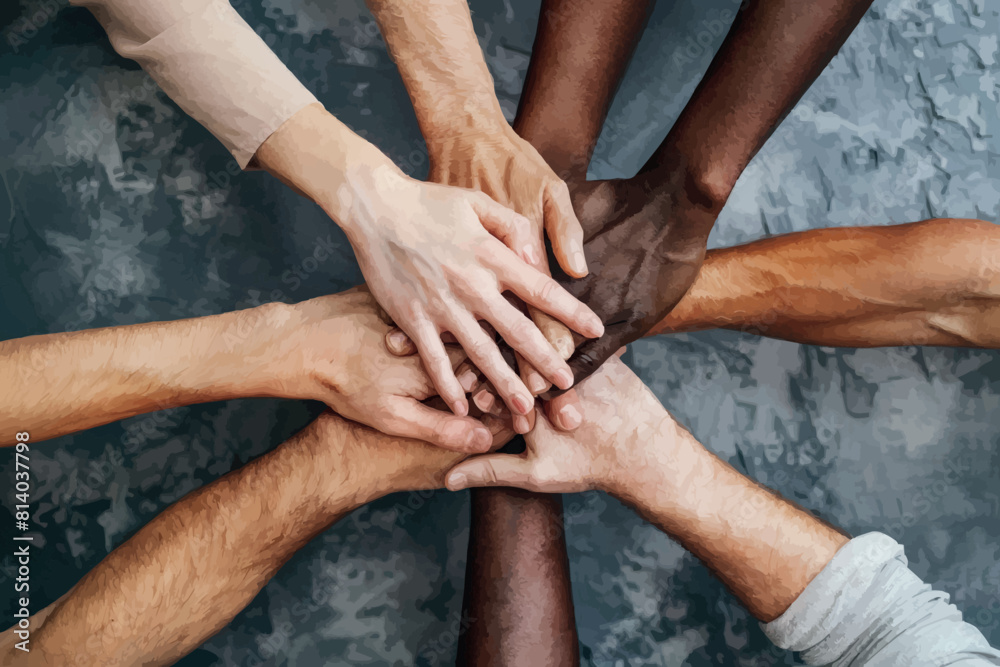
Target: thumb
(399,344)
(491,470)
(564,230)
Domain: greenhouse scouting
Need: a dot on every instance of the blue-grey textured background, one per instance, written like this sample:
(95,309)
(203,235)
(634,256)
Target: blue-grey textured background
(117,208)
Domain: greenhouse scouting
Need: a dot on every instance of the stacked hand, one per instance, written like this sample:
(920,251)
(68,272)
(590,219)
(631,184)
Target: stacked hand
(437,258)
(645,240)
(497,162)
(626,430)
(330,349)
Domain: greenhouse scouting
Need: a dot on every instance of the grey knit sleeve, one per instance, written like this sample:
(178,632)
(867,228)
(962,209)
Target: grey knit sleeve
(867,608)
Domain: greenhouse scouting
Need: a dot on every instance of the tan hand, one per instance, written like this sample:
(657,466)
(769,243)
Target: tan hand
(331,349)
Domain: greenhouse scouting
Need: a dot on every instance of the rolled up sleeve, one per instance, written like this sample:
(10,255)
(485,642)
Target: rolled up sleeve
(866,607)
(210,62)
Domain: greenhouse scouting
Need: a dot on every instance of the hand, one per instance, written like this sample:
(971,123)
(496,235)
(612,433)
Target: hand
(489,156)
(378,464)
(507,168)
(330,349)
(437,258)
(624,429)
(645,239)
(428,256)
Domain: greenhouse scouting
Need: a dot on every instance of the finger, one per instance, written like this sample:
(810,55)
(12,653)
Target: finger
(554,331)
(592,353)
(423,385)
(521,334)
(565,411)
(539,290)
(564,230)
(531,378)
(491,470)
(521,425)
(412,419)
(399,344)
(484,353)
(511,228)
(467,376)
(484,400)
(438,366)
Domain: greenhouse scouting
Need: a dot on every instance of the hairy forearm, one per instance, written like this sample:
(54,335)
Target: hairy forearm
(188,572)
(184,575)
(518,604)
(436,50)
(580,53)
(935,282)
(66,382)
(763,548)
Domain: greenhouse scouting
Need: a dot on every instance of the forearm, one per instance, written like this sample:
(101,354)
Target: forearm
(436,50)
(935,282)
(772,54)
(763,548)
(581,50)
(518,603)
(189,571)
(66,382)
(184,575)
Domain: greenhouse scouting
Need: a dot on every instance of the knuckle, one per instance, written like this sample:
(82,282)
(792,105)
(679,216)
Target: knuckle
(480,349)
(547,288)
(521,329)
(489,474)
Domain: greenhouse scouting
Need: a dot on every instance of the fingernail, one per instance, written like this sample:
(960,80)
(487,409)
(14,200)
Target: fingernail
(460,408)
(457,481)
(578,262)
(537,384)
(564,378)
(530,255)
(521,404)
(483,400)
(481,439)
(570,417)
(521,424)
(467,379)
(397,339)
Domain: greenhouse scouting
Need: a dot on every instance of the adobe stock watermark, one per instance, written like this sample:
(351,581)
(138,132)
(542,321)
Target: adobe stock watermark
(28,26)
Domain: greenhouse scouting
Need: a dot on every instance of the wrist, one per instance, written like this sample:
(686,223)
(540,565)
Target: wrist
(322,159)
(661,465)
(356,196)
(465,121)
(333,482)
(381,464)
(706,184)
(243,358)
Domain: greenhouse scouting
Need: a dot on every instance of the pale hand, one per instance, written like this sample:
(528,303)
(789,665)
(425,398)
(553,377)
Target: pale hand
(621,417)
(495,160)
(438,259)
